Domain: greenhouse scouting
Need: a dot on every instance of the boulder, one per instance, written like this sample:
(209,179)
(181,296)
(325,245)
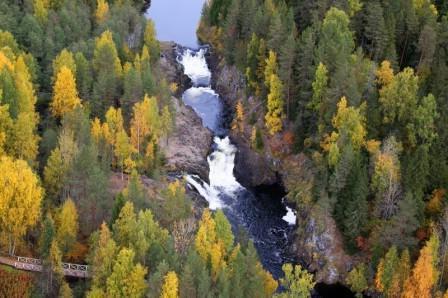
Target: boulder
(187,149)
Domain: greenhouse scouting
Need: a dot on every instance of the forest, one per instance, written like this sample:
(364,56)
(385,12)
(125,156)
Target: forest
(83,103)
(358,90)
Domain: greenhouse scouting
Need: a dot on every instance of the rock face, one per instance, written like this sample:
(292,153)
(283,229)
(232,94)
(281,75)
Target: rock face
(251,168)
(171,69)
(188,147)
(319,244)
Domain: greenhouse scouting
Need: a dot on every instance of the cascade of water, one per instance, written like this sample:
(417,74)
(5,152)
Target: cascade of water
(264,219)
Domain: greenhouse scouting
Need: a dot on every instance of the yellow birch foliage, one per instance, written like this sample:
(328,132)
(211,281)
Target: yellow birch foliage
(65,94)
(385,74)
(24,139)
(170,288)
(238,122)
(206,235)
(67,228)
(145,121)
(114,121)
(127,279)
(41,9)
(102,9)
(105,43)
(65,58)
(20,198)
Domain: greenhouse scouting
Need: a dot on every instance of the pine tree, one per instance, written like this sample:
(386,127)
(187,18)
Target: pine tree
(151,41)
(47,235)
(108,71)
(357,280)
(101,256)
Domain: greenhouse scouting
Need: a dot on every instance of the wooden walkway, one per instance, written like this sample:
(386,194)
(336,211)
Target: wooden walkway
(30,264)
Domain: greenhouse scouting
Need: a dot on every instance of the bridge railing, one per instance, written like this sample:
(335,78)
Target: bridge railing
(32,264)
(29,260)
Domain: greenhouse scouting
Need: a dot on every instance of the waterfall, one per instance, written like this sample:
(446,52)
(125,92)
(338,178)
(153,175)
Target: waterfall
(267,221)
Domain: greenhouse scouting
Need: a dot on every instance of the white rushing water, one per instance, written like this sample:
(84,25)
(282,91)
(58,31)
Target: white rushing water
(195,67)
(290,216)
(222,180)
(206,103)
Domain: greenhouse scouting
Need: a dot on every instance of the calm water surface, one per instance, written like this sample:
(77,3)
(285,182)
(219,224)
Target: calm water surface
(176,20)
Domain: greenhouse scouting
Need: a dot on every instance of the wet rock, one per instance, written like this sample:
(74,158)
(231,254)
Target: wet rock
(171,69)
(252,168)
(319,244)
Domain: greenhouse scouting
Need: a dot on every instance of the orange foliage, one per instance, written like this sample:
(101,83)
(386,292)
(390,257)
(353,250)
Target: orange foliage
(15,283)
(435,204)
(78,253)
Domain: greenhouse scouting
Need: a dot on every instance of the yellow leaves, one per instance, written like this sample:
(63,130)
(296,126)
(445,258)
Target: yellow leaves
(65,94)
(420,5)
(379,276)
(274,116)
(173,88)
(20,197)
(238,122)
(145,121)
(351,121)
(270,284)
(424,274)
(435,204)
(127,279)
(5,62)
(102,10)
(170,288)
(373,146)
(206,235)
(67,225)
(385,74)
(65,58)
(271,67)
(41,9)
(105,44)
(176,188)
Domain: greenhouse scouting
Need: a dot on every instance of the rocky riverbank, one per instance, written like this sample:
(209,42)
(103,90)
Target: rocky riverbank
(318,242)
(187,149)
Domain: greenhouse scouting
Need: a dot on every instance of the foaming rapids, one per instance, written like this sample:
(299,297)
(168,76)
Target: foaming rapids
(195,67)
(267,220)
(222,180)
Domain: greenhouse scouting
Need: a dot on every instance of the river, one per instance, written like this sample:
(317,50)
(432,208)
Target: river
(267,221)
